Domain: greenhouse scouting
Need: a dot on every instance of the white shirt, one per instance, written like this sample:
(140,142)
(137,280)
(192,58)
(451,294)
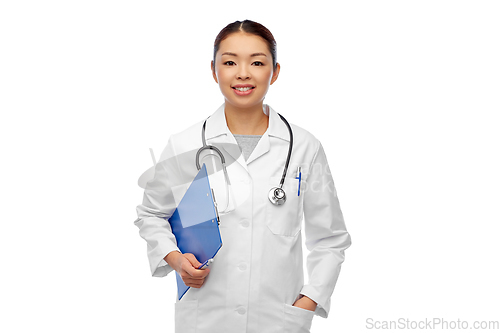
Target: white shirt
(258,273)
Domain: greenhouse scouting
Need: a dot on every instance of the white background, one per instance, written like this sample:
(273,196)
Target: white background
(404,96)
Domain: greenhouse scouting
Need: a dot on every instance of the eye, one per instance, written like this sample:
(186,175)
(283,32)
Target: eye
(258,63)
(229,63)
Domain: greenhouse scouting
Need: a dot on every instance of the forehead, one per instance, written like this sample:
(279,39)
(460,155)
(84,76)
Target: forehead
(243,44)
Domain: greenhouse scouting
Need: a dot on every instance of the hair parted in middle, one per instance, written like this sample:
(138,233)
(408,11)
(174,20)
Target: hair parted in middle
(249,27)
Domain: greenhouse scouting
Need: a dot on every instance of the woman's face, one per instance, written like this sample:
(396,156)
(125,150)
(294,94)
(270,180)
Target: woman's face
(244,70)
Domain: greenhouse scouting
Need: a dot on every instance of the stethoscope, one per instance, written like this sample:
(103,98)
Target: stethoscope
(277,195)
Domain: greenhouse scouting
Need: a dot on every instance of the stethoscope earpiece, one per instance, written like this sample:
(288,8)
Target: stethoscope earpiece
(277,196)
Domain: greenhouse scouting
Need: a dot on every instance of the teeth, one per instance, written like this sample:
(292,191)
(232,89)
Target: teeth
(243,89)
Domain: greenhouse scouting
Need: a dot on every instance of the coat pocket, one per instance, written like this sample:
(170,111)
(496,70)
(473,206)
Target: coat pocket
(185,316)
(285,219)
(297,320)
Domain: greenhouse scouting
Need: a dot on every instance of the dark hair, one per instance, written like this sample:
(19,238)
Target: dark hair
(250,27)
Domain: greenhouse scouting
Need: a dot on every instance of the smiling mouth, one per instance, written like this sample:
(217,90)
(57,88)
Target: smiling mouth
(243,88)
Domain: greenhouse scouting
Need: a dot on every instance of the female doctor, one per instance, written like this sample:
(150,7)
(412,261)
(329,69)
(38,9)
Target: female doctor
(256,281)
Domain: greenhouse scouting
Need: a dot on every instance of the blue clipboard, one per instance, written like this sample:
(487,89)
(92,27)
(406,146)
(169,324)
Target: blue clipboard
(195,224)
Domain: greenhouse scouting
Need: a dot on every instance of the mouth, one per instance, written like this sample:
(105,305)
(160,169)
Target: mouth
(243,88)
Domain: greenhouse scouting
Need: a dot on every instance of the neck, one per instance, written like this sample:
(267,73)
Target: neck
(248,121)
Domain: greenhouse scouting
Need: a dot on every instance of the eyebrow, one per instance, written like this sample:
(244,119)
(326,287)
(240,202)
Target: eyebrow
(252,55)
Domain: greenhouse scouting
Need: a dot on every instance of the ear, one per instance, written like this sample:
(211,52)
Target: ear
(276,73)
(213,71)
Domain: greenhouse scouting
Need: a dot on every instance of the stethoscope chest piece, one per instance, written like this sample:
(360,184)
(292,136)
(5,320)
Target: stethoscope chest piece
(277,196)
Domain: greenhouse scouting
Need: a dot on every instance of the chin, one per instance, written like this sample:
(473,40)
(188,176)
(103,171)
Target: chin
(240,105)
(244,103)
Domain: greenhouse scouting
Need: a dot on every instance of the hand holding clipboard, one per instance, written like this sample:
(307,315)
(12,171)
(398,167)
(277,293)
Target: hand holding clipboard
(195,224)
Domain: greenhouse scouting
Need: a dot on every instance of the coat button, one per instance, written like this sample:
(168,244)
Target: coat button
(245,223)
(242,266)
(242,311)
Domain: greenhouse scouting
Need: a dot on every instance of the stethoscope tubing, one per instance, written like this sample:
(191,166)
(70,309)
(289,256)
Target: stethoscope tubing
(273,197)
(290,145)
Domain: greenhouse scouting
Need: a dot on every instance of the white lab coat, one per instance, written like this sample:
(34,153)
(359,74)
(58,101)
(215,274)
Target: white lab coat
(258,273)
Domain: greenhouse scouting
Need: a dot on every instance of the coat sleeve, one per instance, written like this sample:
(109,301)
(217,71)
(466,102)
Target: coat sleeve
(326,235)
(153,214)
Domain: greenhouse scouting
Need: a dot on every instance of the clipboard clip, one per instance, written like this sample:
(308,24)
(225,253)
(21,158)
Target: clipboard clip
(215,205)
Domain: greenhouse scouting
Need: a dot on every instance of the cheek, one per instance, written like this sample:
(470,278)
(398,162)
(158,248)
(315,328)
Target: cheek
(266,76)
(224,77)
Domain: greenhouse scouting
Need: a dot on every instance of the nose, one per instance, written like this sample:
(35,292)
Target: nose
(243,72)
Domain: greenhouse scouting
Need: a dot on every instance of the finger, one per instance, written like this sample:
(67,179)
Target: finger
(190,281)
(196,274)
(200,273)
(193,283)
(192,259)
(193,271)
(188,270)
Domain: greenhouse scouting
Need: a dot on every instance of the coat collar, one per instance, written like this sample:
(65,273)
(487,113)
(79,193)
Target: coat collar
(217,125)
(218,132)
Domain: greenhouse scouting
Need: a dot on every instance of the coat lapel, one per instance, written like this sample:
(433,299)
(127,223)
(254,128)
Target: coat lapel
(217,133)
(275,129)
